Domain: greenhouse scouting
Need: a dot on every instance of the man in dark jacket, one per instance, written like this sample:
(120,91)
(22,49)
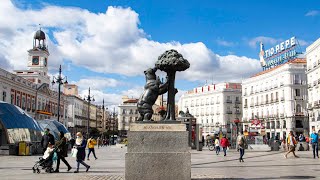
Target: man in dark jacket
(62,151)
(46,138)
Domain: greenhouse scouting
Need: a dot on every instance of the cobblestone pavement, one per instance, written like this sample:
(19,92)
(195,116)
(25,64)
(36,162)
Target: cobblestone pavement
(206,165)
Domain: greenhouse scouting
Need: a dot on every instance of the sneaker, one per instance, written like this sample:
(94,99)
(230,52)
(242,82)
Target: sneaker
(96,158)
(56,171)
(88,159)
(88,168)
(69,168)
(76,171)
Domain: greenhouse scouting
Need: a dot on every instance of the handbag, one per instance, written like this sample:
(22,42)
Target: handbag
(74,152)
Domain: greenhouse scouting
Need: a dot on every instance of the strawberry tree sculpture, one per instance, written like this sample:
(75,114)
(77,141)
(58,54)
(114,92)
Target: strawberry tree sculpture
(170,62)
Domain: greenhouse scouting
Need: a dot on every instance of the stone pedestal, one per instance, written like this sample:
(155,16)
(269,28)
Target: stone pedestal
(157,152)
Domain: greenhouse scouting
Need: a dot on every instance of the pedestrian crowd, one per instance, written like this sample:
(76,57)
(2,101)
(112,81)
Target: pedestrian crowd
(289,144)
(78,150)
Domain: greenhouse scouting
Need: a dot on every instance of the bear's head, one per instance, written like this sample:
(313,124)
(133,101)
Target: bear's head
(150,74)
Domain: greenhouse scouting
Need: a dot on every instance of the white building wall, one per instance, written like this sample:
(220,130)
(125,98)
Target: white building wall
(285,80)
(313,73)
(209,106)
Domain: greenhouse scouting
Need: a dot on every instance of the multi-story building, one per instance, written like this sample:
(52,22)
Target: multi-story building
(77,114)
(313,75)
(127,113)
(277,98)
(214,106)
(29,89)
(70,89)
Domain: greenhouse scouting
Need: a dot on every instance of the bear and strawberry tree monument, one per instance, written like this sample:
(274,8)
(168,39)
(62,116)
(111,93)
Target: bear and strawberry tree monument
(158,150)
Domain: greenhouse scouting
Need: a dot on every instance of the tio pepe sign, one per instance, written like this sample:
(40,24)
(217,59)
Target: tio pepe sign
(278,54)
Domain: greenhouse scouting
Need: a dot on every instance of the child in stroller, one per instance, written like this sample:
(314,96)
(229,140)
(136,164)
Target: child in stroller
(46,161)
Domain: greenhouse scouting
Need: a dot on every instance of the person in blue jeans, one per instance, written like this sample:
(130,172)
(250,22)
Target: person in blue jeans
(314,142)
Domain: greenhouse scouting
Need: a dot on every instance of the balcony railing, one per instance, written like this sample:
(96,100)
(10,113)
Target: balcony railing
(245,106)
(229,112)
(298,98)
(281,84)
(238,102)
(228,101)
(251,105)
(282,98)
(237,112)
(299,114)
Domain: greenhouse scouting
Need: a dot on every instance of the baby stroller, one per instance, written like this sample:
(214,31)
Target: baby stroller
(45,163)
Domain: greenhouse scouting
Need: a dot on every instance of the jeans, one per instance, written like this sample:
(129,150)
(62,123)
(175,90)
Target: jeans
(81,162)
(217,149)
(224,151)
(241,153)
(315,149)
(92,150)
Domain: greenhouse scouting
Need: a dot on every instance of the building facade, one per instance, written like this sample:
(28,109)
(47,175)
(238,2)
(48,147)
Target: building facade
(274,100)
(127,113)
(29,89)
(313,75)
(214,106)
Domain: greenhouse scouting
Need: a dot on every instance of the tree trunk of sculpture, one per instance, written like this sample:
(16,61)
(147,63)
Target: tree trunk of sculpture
(171,100)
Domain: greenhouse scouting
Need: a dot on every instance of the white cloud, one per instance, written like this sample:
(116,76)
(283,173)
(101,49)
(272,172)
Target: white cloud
(254,42)
(225,43)
(312,13)
(109,42)
(98,82)
(303,42)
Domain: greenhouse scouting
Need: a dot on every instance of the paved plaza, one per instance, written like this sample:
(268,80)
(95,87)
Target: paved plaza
(205,165)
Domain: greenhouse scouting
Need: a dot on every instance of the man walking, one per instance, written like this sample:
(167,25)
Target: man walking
(91,143)
(314,142)
(46,139)
(291,144)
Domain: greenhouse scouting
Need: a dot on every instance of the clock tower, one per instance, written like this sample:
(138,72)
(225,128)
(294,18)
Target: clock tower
(37,61)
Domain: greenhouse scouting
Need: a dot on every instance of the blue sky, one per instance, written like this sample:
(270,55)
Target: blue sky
(220,38)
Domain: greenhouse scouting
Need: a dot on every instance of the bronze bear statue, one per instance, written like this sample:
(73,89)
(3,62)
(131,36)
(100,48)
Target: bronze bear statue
(152,89)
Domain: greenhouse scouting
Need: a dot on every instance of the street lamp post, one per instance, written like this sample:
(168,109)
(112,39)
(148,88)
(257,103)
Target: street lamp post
(59,80)
(89,98)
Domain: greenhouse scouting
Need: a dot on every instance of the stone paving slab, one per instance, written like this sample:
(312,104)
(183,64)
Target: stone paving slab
(205,165)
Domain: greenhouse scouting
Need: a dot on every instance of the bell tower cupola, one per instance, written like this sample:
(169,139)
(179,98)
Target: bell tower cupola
(37,60)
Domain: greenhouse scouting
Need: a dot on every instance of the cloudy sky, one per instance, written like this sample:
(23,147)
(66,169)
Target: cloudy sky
(107,44)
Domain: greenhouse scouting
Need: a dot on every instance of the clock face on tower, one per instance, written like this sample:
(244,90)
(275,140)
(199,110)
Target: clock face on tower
(45,62)
(35,60)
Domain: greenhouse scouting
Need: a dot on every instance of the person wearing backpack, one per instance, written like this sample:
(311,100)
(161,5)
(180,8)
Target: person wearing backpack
(241,144)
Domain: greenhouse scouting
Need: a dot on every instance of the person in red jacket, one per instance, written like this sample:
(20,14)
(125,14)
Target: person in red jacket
(224,143)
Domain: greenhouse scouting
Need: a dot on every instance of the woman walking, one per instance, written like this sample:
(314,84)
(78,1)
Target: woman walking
(217,145)
(81,144)
(224,144)
(62,151)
